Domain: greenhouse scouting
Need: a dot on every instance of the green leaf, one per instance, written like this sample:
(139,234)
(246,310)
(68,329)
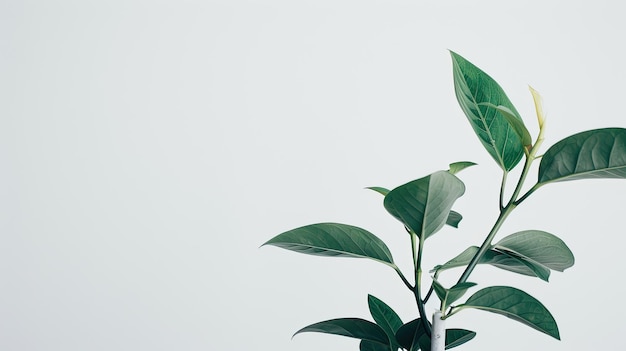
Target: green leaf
(379,190)
(386,318)
(459,166)
(473,88)
(334,239)
(423,205)
(515,121)
(458,337)
(538,247)
(599,153)
(412,334)
(497,259)
(367,345)
(350,327)
(454,218)
(515,304)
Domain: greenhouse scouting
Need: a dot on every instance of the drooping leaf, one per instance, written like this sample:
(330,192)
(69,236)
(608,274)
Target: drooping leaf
(379,190)
(367,345)
(515,121)
(539,247)
(599,153)
(497,259)
(459,166)
(515,304)
(334,239)
(474,87)
(424,205)
(350,327)
(386,318)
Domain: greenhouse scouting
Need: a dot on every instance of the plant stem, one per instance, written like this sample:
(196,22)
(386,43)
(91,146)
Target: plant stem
(502,186)
(416,246)
(404,280)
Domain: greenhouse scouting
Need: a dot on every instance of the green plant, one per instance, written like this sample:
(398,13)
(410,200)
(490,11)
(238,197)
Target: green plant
(424,206)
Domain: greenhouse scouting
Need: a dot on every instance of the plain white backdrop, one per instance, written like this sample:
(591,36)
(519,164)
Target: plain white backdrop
(148,148)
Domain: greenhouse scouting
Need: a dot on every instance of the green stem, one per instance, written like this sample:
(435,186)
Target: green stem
(502,186)
(404,280)
(417,261)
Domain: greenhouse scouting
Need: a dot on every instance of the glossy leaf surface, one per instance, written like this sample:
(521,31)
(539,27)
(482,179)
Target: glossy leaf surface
(423,205)
(515,304)
(334,239)
(473,89)
(386,318)
(350,327)
(538,247)
(599,153)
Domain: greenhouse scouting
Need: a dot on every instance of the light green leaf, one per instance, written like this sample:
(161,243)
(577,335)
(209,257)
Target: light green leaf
(474,87)
(599,153)
(539,247)
(334,239)
(350,327)
(367,345)
(449,296)
(515,121)
(515,304)
(379,190)
(386,318)
(459,166)
(424,205)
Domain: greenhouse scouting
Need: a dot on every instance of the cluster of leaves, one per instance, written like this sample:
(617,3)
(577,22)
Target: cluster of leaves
(424,206)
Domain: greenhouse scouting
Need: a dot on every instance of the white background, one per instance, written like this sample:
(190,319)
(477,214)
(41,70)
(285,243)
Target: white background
(148,148)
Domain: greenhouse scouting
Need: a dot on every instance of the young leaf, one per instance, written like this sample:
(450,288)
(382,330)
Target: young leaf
(334,239)
(386,318)
(454,218)
(515,304)
(350,327)
(459,166)
(599,153)
(379,190)
(367,345)
(423,205)
(474,87)
(449,296)
(539,247)
(515,121)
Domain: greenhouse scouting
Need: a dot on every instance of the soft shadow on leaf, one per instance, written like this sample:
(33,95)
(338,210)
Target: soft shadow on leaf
(515,304)
(599,153)
(334,239)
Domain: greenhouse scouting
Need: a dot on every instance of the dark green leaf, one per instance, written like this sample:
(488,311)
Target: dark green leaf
(379,190)
(599,153)
(538,247)
(385,317)
(449,296)
(350,327)
(458,337)
(515,304)
(424,205)
(334,239)
(474,87)
(459,166)
(410,332)
(367,345)
(454,218)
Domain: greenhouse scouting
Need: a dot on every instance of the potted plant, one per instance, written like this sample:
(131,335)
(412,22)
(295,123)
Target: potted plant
(423,206)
